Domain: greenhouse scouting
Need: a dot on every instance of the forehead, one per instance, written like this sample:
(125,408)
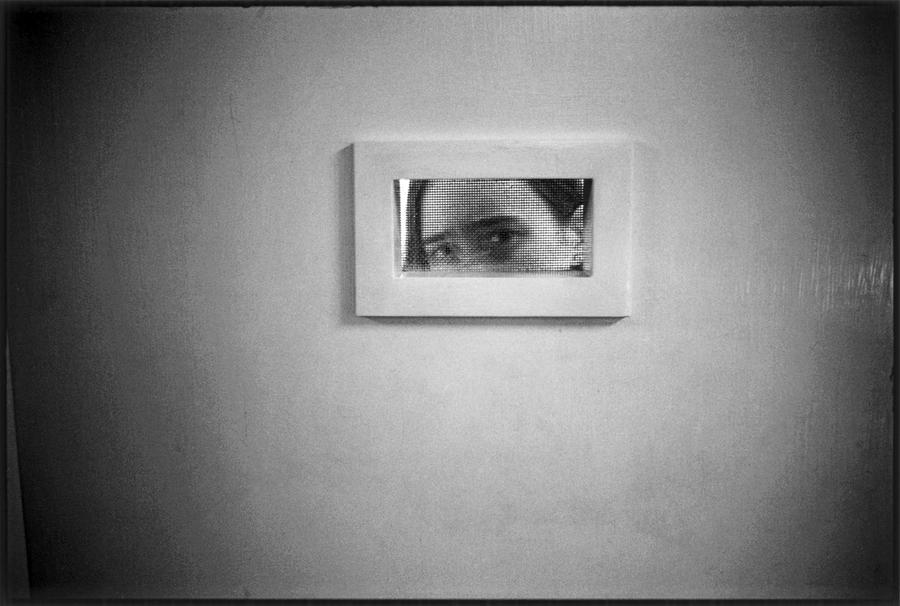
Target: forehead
(448,203)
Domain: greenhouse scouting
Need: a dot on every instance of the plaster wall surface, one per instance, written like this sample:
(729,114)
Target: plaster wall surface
(201,414)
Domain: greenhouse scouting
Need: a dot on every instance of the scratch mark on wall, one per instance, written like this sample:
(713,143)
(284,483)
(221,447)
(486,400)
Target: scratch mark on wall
(832,276)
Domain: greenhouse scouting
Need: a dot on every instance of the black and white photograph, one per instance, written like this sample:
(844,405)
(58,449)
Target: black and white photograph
(493,225)
(472,300)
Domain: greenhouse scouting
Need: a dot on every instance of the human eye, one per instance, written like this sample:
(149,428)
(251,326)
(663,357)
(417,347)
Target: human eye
(499,242)
(497,237)
(440,253)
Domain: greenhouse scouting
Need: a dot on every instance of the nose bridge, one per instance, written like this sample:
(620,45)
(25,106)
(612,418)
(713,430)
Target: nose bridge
(466,249)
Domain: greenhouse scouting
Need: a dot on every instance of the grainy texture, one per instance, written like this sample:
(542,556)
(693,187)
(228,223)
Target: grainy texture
(15,584)
(201,413)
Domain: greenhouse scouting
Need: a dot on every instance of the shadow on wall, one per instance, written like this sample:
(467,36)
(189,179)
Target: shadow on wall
(347,268)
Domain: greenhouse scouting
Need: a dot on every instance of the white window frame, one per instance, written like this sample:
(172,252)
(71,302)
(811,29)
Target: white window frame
(381,290)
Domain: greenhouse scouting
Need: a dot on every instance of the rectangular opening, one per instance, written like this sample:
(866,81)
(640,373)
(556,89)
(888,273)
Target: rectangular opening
(486,209)
(492,227)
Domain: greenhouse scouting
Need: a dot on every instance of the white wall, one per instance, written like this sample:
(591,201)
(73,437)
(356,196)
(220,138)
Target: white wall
(200,413)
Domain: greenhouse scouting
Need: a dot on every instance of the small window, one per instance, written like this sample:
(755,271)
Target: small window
(496,227)
(480,227)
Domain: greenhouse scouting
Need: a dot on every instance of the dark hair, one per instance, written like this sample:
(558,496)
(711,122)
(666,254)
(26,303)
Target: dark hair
(564,196)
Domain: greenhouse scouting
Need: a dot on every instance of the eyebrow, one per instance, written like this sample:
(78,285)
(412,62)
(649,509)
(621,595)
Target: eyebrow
(489,222)
(435,238)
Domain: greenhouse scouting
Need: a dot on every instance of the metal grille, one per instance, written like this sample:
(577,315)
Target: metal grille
(493,225)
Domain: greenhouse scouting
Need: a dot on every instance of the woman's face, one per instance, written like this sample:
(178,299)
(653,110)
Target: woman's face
(493,225)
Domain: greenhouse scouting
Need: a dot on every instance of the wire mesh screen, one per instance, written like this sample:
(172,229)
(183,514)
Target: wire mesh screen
(493,225)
